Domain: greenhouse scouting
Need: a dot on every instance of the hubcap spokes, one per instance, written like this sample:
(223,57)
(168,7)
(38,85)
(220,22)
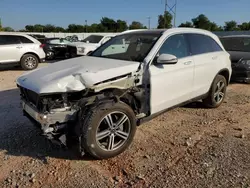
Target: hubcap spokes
(219,92)
(30,62)
(113,131)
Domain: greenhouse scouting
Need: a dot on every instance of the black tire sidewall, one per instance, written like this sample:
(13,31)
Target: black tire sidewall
(23,62)
(90,128)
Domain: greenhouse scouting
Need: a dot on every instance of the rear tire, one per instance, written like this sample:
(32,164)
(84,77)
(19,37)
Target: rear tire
(217,92)
(102,134)
(29,62)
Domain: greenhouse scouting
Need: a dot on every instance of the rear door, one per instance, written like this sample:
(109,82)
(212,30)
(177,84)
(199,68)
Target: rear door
(10,48)
(208,58)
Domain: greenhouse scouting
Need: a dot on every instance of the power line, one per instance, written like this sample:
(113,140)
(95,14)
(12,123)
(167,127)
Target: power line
(172,10)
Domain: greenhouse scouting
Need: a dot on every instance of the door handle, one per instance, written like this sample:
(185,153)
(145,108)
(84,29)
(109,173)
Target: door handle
(19,47)
(188,63)
(214,57)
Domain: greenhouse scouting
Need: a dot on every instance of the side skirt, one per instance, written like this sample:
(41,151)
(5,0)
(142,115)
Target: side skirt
(146,119)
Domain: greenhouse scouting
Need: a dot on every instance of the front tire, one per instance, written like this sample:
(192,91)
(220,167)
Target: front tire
(108,129)
(29,62)
(217,92)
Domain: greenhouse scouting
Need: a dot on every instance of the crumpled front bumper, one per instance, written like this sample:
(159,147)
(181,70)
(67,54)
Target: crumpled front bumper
(48,121)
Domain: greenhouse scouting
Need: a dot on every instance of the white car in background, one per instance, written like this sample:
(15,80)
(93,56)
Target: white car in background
(21,49)
(87,45)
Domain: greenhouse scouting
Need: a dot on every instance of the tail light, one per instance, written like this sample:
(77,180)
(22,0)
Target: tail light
(42,45)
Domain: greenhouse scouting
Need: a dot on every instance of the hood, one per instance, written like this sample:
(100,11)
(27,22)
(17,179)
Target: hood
(75,74)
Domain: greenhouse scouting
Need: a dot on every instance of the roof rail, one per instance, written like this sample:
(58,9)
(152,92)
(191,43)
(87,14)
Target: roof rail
(132,30)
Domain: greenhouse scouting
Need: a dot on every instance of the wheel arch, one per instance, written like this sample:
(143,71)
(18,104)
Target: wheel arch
(225,73)
(32,53)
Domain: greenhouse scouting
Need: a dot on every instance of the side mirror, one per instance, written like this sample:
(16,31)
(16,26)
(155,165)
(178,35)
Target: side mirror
(167,59)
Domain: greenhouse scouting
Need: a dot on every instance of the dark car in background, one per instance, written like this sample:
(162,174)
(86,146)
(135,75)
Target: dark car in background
(239,48)
(55,48)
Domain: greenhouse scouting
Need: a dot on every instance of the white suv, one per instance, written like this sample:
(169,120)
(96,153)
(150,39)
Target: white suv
(87,45)
(100,99)
(20,49)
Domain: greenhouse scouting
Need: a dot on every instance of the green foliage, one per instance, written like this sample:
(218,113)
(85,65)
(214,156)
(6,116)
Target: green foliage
(137,25)
(186,24)
(165,23)
(203,22)
(231,26)
(8,29)
(110,25)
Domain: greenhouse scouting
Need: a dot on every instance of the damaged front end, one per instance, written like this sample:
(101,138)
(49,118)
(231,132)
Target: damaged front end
(57,113)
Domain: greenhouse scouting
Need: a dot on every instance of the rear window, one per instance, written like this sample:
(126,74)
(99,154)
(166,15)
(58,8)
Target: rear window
(201,44)
(93,39)
(25,40)
(236,44)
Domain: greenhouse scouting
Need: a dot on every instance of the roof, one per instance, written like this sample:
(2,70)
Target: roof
(235,36)
(10,33)
(162,31)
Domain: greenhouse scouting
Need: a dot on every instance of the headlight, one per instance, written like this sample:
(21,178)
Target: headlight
(81,49)
(246,62)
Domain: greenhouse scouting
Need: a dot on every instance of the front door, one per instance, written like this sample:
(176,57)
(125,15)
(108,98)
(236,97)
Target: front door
(172,84)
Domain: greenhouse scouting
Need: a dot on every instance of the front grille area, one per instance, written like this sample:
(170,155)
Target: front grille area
(29,96)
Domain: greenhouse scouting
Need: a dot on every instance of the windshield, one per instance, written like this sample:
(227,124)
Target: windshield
(59,41)
(93,39)
(241,44)
(130,47)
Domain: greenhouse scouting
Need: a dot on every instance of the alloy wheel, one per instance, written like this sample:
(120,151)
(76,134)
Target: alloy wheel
(219,92)
(30,62)
(113,131)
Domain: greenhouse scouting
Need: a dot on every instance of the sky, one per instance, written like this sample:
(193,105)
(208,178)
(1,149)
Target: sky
(18,13)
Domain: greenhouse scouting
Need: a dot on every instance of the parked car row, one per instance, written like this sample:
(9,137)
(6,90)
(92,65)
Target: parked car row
(58,48)
(27,50)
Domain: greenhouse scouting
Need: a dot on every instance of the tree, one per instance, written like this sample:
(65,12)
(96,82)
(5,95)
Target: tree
(0,24)
(109,24)
(167,23)
(186,24)
(73,28)
(136,25)
(231,26)
(245,26)
(38,28)
(121,26)
(202,22)
(215,27)
(8,29)
(49,28)
(59,29)
(29,28)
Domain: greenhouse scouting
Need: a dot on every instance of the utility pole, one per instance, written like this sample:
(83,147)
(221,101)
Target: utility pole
(149,19)
(86,23)
(172,10)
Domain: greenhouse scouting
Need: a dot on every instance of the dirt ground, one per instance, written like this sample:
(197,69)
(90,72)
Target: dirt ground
(186,147)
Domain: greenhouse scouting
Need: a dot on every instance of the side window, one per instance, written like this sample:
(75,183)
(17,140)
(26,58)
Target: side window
(25,40)
(9,39)
(2,41)
(201,44)
(175,45)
